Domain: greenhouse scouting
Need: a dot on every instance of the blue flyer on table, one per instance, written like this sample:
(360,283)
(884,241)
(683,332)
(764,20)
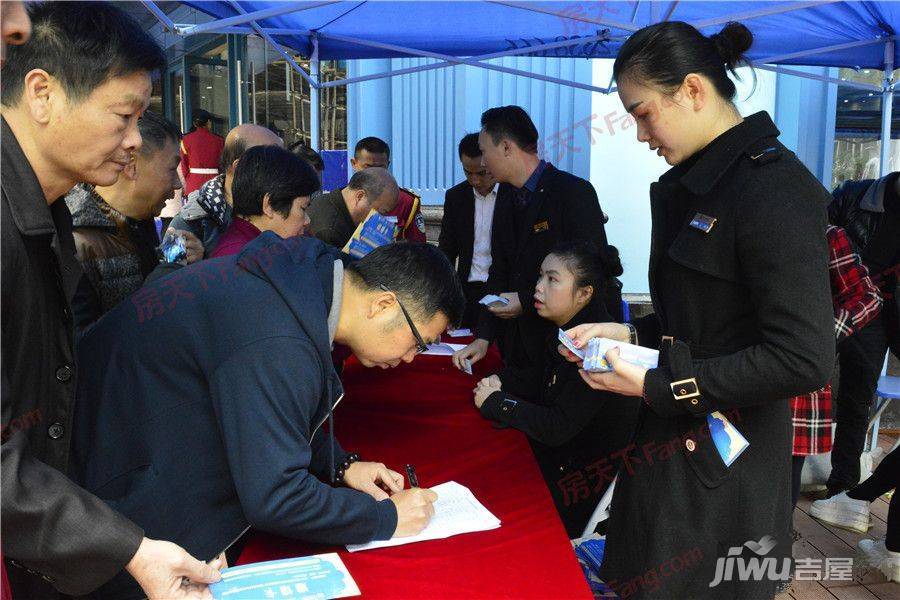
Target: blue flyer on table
(318,577)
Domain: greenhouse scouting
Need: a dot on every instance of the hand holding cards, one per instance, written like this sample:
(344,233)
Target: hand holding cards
(595,357)
(493,300)
(569,343)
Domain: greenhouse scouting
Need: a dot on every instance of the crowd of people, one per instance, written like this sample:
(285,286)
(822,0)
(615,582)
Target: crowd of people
(180,403)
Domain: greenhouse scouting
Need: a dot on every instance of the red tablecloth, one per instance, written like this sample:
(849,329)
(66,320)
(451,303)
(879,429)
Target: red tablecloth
(423,414)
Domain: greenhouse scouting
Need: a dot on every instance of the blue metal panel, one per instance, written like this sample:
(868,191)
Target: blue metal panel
(335,175)
(427,113)
(805,112)
(371,102)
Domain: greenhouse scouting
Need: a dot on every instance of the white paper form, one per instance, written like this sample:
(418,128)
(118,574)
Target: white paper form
(456,511)
(443,349)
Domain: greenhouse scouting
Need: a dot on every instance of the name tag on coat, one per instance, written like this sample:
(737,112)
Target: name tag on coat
(703,222)
(541,226)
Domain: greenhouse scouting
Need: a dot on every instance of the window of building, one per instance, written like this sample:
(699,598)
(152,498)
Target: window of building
(857,134)
(279,97)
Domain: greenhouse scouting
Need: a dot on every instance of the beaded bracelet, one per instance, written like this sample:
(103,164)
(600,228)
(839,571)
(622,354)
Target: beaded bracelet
(339,473)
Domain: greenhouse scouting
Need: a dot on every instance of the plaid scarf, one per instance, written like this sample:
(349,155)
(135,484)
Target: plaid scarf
(212,198)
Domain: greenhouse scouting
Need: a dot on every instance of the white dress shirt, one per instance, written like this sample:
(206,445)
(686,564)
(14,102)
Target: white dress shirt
(484,219)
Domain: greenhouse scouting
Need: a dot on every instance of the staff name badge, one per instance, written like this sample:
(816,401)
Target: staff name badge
(541,226)
(703,222)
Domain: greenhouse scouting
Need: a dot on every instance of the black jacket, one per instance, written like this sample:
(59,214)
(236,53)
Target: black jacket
(869,211)
(457,238)
(749,305)
(116,252)
(60,533)
(329,219)
(565,209)
(216,423)
(575,431)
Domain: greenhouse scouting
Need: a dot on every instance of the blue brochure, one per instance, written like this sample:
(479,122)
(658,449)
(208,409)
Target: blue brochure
(377,230)
(728,440)
(318,577)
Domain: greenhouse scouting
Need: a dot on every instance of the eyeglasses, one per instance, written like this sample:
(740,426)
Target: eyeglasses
(421,346)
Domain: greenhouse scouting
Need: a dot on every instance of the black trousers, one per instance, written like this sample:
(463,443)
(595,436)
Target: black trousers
(861,357)
(886,477)
(474,291)
(796,471)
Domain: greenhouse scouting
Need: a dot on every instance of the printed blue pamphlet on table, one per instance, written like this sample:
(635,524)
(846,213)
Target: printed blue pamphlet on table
(318,577)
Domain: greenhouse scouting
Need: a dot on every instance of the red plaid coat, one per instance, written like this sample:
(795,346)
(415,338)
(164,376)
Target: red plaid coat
(856,301)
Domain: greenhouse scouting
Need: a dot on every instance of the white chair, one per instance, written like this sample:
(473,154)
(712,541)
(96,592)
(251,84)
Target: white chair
(601,513)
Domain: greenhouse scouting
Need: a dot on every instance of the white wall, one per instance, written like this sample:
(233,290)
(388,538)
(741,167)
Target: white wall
(623,169)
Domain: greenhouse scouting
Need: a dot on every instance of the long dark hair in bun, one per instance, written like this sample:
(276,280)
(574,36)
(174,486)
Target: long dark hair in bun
(663,54)
(591,264)
(598,266)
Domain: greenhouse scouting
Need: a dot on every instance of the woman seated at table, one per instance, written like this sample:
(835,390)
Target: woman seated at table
(271,192)
(575,432)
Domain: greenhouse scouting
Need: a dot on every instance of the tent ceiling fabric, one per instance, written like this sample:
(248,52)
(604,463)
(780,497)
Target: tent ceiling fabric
(469,28)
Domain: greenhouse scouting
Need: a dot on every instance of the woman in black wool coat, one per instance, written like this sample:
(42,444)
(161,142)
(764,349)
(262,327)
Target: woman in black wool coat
(743,321)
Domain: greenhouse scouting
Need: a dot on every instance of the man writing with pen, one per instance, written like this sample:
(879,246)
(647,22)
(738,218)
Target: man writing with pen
(205,435)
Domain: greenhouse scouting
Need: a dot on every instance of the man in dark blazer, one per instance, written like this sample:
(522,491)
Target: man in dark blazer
(78,124)
(467,224)
(538,206)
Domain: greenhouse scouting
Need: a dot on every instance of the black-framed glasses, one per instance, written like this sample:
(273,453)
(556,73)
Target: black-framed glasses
(421,346)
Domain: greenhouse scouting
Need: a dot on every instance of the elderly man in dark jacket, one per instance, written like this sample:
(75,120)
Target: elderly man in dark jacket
(198,437)
(114,228)
(334,216)
(79,124)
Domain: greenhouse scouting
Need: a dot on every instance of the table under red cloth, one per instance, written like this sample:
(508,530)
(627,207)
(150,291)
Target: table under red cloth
(422,413)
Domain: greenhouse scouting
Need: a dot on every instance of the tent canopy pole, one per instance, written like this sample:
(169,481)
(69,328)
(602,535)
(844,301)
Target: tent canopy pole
(887,106)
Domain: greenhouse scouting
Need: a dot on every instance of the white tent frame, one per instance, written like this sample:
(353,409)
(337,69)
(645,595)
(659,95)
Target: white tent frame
(247,23)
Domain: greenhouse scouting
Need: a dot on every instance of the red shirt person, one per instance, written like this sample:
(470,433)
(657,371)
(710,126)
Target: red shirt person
(200,153)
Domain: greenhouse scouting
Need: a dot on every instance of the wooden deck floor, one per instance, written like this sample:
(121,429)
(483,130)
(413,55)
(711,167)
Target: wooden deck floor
(820,541)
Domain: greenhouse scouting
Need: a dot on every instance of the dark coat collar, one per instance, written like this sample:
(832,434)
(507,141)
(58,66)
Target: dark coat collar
(700,176)
(23,192)
(89,209)
(31,213)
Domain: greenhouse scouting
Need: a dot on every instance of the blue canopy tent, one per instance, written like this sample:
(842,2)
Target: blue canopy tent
(856,34)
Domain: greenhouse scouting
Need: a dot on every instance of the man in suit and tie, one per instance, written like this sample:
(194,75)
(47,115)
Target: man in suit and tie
(467,223)
(538,206)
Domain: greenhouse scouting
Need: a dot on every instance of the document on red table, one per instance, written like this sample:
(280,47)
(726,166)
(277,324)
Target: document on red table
(321,576)
(456,511)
